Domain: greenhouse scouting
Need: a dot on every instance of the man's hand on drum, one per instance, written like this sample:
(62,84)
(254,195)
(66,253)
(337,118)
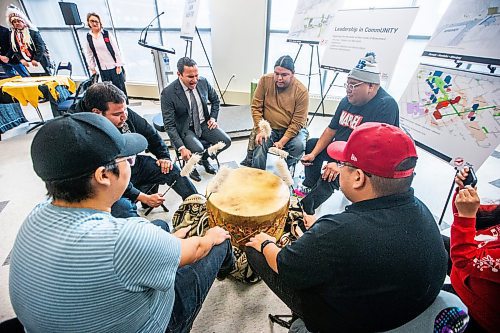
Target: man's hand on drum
(260,138)
(330,171)
(185,153)
(258,239)
(165,165)
(217,235)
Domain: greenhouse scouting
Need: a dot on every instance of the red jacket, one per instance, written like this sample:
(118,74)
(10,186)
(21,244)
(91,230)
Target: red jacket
(475,273)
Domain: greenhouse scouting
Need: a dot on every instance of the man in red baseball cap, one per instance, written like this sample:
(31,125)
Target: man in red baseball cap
(349,271)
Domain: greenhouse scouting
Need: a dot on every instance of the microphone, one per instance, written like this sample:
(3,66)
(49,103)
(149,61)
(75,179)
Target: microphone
(146,28)
(232,77)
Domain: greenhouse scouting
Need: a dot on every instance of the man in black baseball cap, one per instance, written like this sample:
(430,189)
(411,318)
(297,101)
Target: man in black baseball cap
(74,265)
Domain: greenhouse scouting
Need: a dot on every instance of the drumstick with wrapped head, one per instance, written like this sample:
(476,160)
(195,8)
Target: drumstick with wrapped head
(185,171)
(217,181)
(213,149)
(284,174)
(281,153)
(265,127)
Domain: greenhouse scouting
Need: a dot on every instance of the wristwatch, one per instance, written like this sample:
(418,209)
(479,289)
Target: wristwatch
(264,244)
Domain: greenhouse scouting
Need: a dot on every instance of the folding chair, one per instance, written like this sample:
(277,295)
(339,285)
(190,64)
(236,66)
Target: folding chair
(64,66)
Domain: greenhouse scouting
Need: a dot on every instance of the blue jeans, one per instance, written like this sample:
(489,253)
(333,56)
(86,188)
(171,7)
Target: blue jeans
(146,173)
(295,147)
(192,283)
(13,70)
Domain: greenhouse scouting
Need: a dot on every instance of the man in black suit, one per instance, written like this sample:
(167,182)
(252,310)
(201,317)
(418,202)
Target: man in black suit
(109,101)
(186,115)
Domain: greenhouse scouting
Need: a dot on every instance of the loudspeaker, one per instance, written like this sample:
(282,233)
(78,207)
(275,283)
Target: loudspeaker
(70,13)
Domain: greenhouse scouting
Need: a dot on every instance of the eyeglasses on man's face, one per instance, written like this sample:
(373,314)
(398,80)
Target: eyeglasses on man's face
(94,21)
(341,164)
(351,87)
(129,159)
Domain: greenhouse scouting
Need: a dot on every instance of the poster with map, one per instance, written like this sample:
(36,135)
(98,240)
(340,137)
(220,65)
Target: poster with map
(468,31)
(453,114)
(311,21)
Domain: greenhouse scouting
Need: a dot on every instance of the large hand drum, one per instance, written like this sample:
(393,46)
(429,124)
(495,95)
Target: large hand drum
(247,202)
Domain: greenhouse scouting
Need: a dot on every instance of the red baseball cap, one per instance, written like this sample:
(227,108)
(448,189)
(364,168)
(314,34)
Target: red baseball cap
(375,148)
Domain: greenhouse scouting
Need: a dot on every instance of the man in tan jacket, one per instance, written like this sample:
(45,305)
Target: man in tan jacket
(283,101)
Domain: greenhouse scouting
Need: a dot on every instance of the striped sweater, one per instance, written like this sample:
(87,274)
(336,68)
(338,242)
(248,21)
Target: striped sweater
(82,270)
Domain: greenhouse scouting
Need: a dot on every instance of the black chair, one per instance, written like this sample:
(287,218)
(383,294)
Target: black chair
(149,190)
(68,106)
(64,66)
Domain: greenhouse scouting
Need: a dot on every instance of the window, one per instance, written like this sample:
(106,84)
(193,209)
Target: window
(121,18)
(281,16)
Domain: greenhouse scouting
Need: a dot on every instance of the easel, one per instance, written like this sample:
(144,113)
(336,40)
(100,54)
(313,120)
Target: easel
(313,46)
(321,103)
(189,47)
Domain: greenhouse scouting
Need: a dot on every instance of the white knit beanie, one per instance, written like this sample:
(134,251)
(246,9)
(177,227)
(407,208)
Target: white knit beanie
(366,70)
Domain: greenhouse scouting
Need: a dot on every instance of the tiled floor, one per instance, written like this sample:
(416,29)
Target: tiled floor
(229,303)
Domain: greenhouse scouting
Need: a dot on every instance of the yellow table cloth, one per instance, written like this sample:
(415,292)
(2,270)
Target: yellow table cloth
(25,89)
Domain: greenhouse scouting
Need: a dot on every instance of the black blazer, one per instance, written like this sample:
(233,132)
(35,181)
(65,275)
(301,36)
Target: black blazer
(176,111)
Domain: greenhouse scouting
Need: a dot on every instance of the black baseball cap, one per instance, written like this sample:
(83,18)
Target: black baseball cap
(77,144)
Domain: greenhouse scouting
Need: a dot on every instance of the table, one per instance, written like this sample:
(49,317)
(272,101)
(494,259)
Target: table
(29,90)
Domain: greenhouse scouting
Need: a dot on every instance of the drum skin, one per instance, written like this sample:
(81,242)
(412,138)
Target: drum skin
(249,201)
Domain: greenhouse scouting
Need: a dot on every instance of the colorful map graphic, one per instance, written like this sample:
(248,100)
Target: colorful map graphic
(312,20)
(468,31)
(455,113)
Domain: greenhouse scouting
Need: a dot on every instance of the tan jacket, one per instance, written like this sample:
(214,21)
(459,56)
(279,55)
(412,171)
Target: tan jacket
(282,109)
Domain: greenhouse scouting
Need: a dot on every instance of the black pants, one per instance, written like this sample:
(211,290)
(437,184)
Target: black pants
(117,79)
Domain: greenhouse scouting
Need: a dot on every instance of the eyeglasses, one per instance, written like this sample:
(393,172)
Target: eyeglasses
(341,164)
(94,21)
(350,86)
(129,159)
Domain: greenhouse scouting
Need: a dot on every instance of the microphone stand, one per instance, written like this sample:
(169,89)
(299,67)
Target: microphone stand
(146,28)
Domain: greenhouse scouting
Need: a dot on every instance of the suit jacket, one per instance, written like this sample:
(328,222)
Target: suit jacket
(177,112)
(38,52)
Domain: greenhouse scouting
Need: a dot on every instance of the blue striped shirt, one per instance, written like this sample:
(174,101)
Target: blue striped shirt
(82,270)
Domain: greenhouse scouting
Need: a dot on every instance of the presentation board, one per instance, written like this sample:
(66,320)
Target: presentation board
(312,20)
(188,27)
(453,114)
(358,31)
(468,31)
